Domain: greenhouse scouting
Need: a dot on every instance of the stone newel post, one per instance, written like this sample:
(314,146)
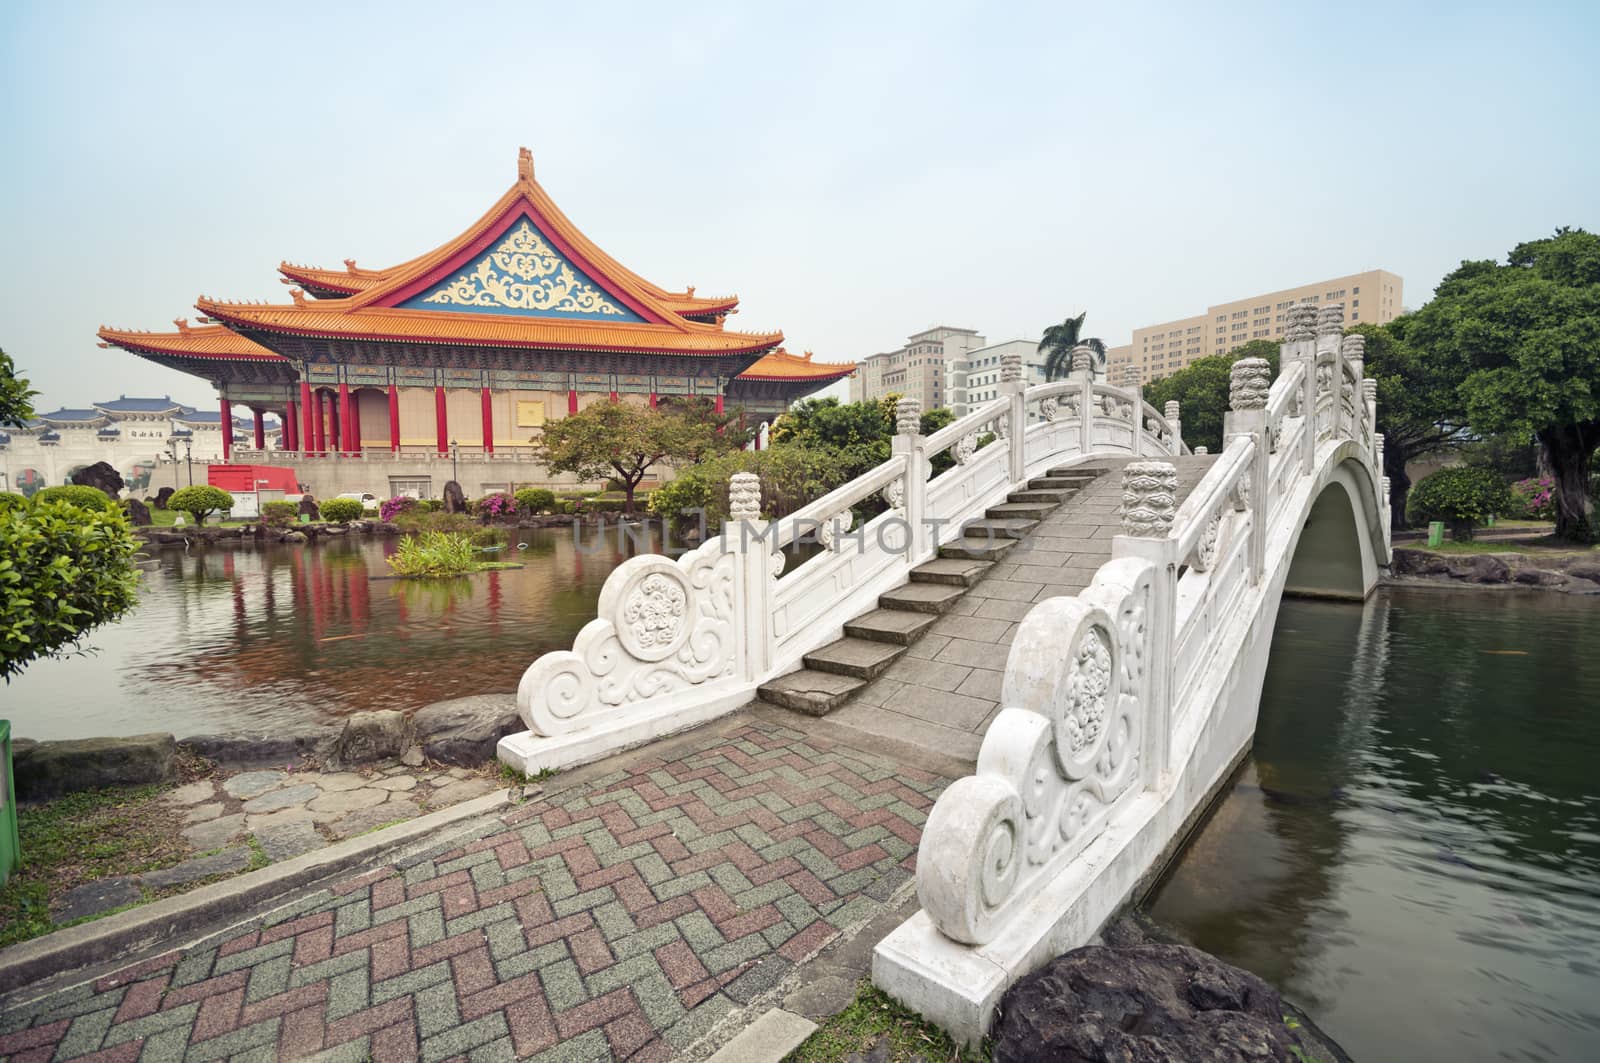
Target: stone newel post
(1083,374)
(1249,387)
(910,442)
(1300,345)
(1149,506)
(1015,389)
(749,540)
(1172,411)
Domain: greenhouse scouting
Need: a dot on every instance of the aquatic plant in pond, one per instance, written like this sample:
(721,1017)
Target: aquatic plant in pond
(434,553)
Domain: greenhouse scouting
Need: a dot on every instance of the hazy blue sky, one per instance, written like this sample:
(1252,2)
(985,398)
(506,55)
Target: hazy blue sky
(855,172)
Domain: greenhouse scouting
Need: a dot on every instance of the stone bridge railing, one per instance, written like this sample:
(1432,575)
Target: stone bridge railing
(680,640)
(1105,693)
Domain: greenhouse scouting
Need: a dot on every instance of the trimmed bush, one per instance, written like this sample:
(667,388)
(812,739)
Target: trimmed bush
(11,500)
(1462,497)
(200,501)
(78,495)
(67,568)
(341,510)
(536,500)
(279,514)
(430,505)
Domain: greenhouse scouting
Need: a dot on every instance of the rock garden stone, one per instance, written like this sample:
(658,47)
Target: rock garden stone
(278,819)
(466,730)
(282,841)
(256,749)
(138,513)
(92,898)
(372,736)
(332,784)
(455,499)
(162,496)
(349,800)
(101,475)
(456,792)
(396,782)
(376,816)
(215,833)
(254,783)
(225,862)
(286,797)
(202,813)
(307,507)
(50,769)
(412,757)
(192,793)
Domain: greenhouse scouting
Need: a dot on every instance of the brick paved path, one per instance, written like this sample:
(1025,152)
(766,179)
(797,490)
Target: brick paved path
(617,919)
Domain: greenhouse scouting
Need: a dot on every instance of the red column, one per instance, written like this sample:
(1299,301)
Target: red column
(488,424)
(613,398)
(291,426)
(355,423)
(652,400)
(227,431)
(261,429)
(394,419)
(307,437)
(320,445)
(344,442)
(441,420)
(572,402)
(718,406)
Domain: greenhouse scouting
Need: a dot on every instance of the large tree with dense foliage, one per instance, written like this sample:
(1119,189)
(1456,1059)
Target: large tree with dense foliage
(16,398)
(856,434)
(1201,391)
(621,441)
(1524,340)
(1058,342)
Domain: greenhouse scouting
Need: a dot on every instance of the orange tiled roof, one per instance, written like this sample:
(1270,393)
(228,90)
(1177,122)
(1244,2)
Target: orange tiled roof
(781,365)
(207,341)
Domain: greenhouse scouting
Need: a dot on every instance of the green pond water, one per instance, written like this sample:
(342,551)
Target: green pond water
(1412,853)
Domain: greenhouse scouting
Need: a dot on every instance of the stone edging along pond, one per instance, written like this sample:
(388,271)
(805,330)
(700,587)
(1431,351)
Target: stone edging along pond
(1577,573)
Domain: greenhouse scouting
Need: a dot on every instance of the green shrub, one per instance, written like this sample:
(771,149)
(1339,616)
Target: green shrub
(433,553)
(78,495)
(791,475)
(279,514)
(418,520)
(200,501)
(430,505)
(536,500)
(565,507)
(64,569)
(1462,497)
(11,500)
(487,537)
(341,510)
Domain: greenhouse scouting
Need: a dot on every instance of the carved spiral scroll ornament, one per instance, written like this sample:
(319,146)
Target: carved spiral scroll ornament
(1204,557)
(1048,408)
(894,493)
(966,447)
(833,529)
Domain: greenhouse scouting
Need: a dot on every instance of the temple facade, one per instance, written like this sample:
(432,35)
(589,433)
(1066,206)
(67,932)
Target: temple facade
(463,353)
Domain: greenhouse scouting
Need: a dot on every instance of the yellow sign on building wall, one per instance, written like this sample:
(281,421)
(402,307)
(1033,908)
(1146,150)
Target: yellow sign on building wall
(530,414)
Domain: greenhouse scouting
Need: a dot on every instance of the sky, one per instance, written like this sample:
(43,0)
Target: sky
(855,172)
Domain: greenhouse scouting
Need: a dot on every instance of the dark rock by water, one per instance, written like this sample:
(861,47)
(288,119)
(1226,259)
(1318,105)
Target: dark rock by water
(49,769)
(253,749)
(373,736)
(137,511)
(100,475)
(308,507)
(162,496)
(455,499)
(466,730)
(1146,1002)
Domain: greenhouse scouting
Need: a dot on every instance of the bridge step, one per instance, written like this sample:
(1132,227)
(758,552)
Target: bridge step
(984,549)
(1042,495)
(936,598)
(1074,472)
(1001,528)
(896,626)
(861,658)
(811,692)
(1059,483)
(956,571)
(1020,510)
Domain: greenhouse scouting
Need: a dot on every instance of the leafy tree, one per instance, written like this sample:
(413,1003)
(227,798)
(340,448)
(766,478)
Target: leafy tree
(1201,391)
(1462,496)
(1524,339)
(1058,342)
(622,442)
(16,398)
(200,501)
(857,434)
(64,569)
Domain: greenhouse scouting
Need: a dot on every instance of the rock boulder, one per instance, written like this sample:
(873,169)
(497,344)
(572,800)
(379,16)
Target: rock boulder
(162,496)
(138,512)
(100,475)
(1144,1003)
(373,736)
(455,499)
(255,749)
(308,507)
(49,769)
(466,730)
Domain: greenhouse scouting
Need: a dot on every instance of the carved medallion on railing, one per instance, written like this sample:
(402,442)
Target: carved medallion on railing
(834,528)
(1001,427)
(1047,409)
(894,493)
(1240,495)
(1116,408)
(1054,762)
(966,447)
(1156,428)
(1204,557)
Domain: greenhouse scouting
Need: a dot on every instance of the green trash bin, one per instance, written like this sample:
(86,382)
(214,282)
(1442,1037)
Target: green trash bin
(10,843)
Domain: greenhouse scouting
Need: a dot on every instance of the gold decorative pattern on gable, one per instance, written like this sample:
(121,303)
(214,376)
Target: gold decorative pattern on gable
(525,273)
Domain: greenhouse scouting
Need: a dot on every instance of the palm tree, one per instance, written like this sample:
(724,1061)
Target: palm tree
(1058,342)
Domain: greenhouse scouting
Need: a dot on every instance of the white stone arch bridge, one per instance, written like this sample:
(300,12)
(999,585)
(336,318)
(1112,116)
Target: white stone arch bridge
(1125,706)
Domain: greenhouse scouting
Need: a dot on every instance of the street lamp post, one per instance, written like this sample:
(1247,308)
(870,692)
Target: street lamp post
(188,456)
(455,450)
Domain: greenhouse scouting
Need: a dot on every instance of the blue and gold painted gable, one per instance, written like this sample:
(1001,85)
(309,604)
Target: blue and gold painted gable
(523,274)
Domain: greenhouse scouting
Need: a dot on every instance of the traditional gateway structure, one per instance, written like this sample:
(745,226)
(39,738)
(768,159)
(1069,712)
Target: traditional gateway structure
(1123,707)
(463,353)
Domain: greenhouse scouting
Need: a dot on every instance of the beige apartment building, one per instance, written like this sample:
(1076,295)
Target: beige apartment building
(1161,350)
(920,369)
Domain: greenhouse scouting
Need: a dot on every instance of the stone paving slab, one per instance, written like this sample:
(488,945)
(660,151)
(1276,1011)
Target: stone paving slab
(620,918)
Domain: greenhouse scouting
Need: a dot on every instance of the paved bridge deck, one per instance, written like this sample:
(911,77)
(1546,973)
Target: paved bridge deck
(942,694)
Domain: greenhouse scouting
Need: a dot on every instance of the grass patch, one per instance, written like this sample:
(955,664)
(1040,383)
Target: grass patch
(872,1017)
(163,518)
(82,837)
(1547,546)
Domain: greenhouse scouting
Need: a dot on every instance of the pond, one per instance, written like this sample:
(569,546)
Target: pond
(1412,853)
(282,638)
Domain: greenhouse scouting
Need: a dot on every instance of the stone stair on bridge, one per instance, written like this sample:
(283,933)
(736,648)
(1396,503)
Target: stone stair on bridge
(876,640)
(926,666)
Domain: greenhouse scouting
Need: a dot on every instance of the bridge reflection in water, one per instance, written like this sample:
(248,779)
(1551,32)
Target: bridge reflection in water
(1413,850)
(288,637)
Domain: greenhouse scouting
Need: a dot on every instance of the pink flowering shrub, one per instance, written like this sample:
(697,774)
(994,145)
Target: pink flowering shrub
(495,506)
(1534,499)
(393,507)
